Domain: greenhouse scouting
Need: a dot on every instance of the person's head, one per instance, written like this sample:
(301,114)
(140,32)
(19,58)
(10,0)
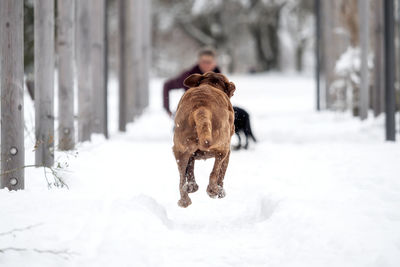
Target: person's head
(207,59)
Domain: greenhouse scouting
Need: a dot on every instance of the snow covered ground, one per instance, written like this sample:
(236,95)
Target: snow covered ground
(318,189)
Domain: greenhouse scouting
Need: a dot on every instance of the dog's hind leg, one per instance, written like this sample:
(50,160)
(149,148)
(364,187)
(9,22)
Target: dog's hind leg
(239,145)
(214,189)
(222,172)
(246,146)
(182,159)
(191,185)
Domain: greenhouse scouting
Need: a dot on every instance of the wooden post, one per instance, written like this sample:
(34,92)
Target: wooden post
(65,48)
(317,6)
(123,116)
(389,71)
(147,51)
(84,70)
(98,63)
(106,69)
(363,10)
(12,100)
(379,81)
(138,55)
(44,82)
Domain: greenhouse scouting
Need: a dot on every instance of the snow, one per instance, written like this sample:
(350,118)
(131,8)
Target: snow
(318,189)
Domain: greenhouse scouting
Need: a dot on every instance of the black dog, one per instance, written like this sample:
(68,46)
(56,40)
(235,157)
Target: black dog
(242,124)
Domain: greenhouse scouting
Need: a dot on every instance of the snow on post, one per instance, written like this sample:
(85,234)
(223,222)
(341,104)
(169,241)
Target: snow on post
(12,102)
(83,68)
(44,82)
(65,49)
(98,63)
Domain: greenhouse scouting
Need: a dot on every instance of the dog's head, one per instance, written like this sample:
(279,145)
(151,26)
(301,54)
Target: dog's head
(214,79)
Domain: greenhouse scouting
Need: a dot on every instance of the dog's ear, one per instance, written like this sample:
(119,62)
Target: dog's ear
(193,80)
(230,89)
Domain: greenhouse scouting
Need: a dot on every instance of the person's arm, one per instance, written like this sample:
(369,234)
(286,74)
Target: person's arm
(171,84)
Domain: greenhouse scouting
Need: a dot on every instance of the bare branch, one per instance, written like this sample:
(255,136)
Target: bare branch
(20,229)
(65,254)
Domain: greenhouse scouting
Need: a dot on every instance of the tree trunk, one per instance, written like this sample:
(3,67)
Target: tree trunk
(12,100)
(65,49)
(44,82)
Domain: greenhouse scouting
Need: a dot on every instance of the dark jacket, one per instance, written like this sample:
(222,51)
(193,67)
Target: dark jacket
(177,83)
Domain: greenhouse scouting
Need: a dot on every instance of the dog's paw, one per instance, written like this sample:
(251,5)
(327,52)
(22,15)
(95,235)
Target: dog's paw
(191,187)
(184,202)
(216,191)
(236,148)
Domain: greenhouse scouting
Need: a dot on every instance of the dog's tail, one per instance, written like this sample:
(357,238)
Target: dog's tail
(202,119)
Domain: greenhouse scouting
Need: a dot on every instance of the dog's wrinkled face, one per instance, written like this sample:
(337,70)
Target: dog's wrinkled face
(214,79)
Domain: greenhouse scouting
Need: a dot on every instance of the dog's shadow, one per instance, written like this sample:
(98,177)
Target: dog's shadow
(257,211)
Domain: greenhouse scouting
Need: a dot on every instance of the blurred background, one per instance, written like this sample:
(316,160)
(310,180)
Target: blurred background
(249,35)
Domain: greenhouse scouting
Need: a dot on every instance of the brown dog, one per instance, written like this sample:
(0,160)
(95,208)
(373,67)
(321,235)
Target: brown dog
(204,125)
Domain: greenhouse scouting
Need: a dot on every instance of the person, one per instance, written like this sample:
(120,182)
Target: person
(206,62)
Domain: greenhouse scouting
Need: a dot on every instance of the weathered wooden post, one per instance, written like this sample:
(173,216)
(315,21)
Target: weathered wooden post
(379,82)
(363,10)
(44,82)
(123,116)
(12,101)
(147,51)
(98,64)
(106,68)
(65,48)
(138,24)
(390,108)
(317,7)
(83,67)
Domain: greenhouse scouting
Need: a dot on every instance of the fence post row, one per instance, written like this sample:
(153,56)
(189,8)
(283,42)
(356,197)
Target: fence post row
(81,42)
(12,102)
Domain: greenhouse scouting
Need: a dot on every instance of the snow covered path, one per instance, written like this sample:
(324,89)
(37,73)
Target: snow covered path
(317,190)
